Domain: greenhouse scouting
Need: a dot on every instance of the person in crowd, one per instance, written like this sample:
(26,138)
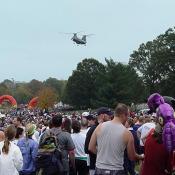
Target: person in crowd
(128,164)
(29,149)
(65,142)
(78,138)
(143,131)
(17,121)
(91,120)
(84,126)
(109,141)
(84,114)
(44,127)
(139,122)
(66,125)
(11,160)
(36,134)
(103,114)
(157,159)
(39,126)
(19,134)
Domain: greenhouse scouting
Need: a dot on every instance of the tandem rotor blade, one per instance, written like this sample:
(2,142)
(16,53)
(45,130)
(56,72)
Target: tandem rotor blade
(70,33)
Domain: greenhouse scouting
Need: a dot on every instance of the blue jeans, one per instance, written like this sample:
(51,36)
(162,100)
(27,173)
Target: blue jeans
(34,173)
(109,172)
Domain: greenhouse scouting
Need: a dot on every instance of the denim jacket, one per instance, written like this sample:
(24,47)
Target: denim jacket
(29,150)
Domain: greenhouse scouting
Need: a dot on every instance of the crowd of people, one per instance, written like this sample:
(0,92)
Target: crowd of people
(109,142)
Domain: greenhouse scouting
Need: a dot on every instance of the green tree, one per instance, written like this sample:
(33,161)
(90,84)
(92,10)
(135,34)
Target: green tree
(168,85)
(4,90)
(120,83)
(35,86)
(9,83)
(22,93)
(155,60)
(81,85)
(56,84)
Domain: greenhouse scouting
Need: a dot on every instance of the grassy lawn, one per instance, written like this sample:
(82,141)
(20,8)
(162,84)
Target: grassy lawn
(137,167)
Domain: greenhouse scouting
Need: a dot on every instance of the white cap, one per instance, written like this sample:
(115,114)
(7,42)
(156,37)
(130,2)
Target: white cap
(2,115)
(85,114)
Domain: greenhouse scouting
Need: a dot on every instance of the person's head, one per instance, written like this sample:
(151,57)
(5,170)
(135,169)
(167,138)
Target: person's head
(141,120)
(136,119)
(129,123)
(19,133)
(91,120)
(17,121)
(122,112)
(2,136)
(40,126)
(57,121)
(76,126)
(30,130)
(10,133)
(84,114)
(66,125)
(104,114)
(147,118)
(84,123)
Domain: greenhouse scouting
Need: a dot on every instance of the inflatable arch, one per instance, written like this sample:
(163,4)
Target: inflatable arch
(8,98)
(33,102)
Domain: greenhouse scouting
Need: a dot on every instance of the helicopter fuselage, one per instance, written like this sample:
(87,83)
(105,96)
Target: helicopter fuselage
(78,40)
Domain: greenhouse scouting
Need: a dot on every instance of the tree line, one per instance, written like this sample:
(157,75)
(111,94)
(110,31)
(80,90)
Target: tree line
(23,92)
(151,68)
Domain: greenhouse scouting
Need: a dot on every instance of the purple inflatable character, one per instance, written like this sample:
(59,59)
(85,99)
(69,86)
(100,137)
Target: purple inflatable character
(166,120)
(154,101)
(165,114)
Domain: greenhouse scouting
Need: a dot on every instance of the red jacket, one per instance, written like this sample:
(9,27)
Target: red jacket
(157,159)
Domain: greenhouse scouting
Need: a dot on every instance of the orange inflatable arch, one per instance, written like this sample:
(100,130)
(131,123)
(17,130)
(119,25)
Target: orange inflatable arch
(33,102)
(8,98)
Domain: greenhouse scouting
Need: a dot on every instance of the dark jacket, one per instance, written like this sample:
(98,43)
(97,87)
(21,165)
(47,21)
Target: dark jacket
(91,155)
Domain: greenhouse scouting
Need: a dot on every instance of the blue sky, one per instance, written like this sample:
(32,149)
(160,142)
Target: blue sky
(32,48)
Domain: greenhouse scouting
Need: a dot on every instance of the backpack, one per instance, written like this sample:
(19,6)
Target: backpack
(49,158)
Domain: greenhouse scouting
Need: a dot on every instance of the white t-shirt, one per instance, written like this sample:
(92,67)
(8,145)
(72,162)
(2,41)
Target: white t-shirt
(79,142)
(15,141)
(84,131)
(36,136)
(144,130)
(12,162)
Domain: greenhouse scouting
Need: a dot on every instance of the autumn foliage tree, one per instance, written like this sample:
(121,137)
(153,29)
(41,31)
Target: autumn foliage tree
(46,98)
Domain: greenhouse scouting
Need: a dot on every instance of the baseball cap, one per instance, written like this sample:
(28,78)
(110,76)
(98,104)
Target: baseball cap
(85,114)
(104,110)
(90,117)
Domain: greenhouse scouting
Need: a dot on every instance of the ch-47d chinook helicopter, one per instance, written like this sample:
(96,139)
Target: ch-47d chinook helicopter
(79,40)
